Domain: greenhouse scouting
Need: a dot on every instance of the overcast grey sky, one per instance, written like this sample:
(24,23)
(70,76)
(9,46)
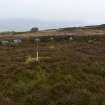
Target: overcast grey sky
(80,11)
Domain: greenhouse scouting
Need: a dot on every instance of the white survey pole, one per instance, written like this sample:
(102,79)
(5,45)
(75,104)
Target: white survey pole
(37,52)
(37,49)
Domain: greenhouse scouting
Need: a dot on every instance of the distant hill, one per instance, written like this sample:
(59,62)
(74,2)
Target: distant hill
(96,27)
(66,31)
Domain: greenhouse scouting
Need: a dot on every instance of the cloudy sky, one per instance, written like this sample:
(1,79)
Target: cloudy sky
(52,12)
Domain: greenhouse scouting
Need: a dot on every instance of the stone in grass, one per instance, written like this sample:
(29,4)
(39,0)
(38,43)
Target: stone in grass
(70,38)
(4,43)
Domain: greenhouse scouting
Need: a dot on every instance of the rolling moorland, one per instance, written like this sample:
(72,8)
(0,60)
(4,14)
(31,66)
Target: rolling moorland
(74,74)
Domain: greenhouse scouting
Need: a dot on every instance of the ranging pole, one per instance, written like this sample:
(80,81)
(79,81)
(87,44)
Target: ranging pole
(37,40)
